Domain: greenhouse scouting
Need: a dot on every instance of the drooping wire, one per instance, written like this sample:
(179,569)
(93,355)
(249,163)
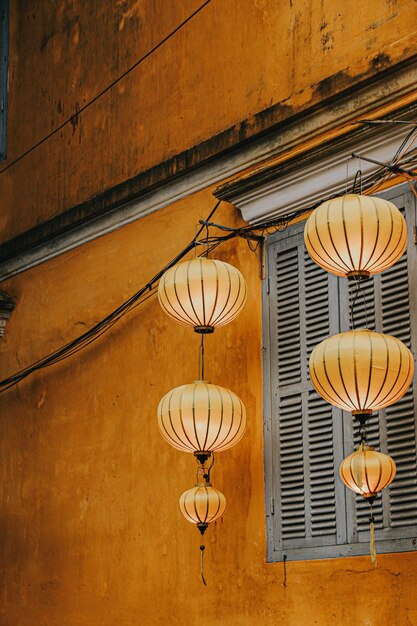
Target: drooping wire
(103,326)
(101,93)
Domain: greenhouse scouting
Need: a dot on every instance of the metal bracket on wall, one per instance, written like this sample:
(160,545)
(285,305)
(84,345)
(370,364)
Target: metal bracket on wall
(7,305)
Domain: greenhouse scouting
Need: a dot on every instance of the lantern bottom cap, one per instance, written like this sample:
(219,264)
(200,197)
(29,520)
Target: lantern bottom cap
(361,274)
(202,456)
(204,330)
(202,527)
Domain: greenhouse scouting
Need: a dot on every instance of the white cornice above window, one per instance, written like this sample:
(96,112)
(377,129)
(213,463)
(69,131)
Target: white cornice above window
(304,181)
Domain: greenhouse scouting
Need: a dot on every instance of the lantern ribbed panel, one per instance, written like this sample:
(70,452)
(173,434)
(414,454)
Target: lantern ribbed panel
(361,371)
(356,234)
(201,417)
(203,293)
(367,471)
(202,504)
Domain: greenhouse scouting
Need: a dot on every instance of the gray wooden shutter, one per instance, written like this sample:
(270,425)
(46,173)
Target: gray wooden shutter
(308,512)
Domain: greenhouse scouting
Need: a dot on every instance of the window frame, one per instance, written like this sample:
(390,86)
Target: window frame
(355,548)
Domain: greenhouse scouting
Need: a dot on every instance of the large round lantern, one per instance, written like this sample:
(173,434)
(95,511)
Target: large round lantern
(202,293)
(361,371)
(355,235)
(367,471)
(202,505)
(202,418)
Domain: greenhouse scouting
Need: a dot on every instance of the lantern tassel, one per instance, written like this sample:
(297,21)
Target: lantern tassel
(372,536)
(203,580)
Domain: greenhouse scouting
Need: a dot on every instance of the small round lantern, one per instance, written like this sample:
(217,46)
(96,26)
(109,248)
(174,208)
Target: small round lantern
(202,418)
(355,235)
(202,505)
(202,293)
(367,471)
(361,371)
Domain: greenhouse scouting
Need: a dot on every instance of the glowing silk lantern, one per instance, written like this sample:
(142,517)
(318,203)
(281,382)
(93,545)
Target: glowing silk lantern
(367,471)
(202,418)
(202,505)
(202,293)
(356,235)
(361,371)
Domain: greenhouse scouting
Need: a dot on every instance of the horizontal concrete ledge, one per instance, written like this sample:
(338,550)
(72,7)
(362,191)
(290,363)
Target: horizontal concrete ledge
(264,136)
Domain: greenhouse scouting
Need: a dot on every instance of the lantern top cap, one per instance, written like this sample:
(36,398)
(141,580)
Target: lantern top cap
(365,448)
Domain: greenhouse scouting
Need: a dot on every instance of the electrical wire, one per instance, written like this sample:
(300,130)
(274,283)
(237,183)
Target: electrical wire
(101,93)
(84,340)
(249,233)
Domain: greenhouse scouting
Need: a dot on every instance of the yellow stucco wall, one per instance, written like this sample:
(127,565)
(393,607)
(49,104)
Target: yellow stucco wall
(91,532)
(90,529)
(233,60)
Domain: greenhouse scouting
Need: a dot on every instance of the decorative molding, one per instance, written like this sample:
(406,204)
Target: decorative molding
(217,159)
(302,182)
(7,305)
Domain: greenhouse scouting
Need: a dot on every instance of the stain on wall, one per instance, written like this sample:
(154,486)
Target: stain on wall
(231,62)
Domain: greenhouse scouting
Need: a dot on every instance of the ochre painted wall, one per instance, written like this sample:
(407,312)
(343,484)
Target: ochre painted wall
(90,529)
(235,59)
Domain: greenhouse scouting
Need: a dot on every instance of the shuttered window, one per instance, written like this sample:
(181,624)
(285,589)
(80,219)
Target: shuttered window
(310,514)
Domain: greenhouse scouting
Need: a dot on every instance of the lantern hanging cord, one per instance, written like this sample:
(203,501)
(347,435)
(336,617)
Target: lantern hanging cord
(202,356)
(358,280)
(353,302)
(361,421)
(206,471)
(207,242)
(358,176)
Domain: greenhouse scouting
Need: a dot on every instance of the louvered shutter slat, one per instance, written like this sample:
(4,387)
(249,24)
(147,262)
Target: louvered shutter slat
(292,510)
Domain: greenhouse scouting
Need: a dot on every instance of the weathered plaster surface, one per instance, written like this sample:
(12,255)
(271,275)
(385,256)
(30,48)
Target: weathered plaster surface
(237,68)
(91,532)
